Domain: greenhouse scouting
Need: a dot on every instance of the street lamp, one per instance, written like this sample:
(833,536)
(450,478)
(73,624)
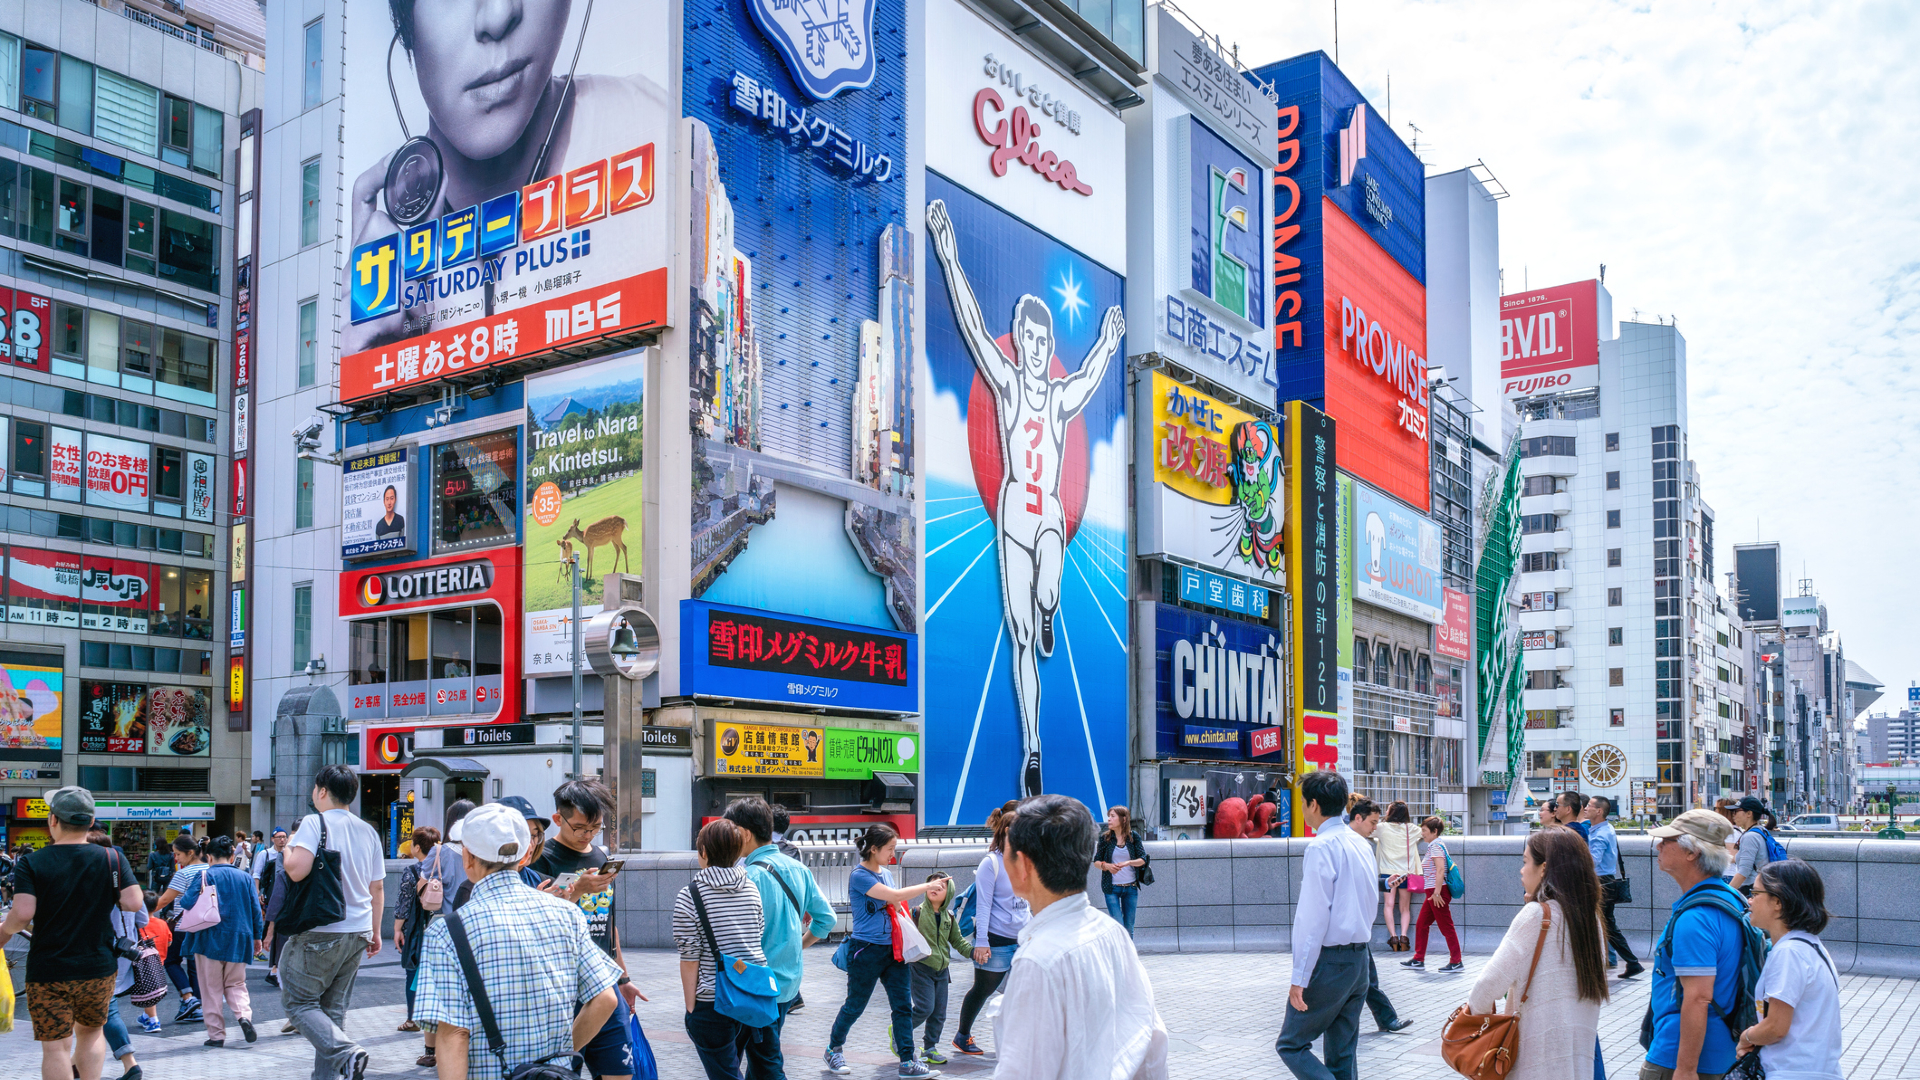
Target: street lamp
(578,689)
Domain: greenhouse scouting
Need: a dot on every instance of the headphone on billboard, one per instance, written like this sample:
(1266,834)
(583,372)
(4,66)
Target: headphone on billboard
(417,174)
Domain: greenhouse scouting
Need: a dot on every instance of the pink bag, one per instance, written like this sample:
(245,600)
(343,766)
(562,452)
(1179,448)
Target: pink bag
(204,914)
(1415,882)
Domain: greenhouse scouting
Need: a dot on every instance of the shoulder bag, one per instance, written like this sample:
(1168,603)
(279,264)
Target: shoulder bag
(746,992)
(1142,874)
(1485,1047)
(545,1068)
(317,899)
(205,912)
(1415,882)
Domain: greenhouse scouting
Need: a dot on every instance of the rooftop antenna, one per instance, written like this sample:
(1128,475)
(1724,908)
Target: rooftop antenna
(1603,273)
(1336,33)
(1390,106)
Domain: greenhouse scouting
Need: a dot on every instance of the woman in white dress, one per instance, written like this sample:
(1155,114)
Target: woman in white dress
(1560,1016)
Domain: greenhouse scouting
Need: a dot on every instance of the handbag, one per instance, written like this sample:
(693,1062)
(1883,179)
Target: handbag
(433,892)
(913,944)
(1619,890)
(317,899)
(737,985)
(205,913)
(543,1069)
(1414,882)
(840,957)
(1483,1047)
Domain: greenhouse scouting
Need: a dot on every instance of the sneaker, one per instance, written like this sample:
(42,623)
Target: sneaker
(273,979)
(932,1056)
(1453,967)
(1416,964)
(427,1060)
(246,1028)
(1633,969)
(149,1024)
(836,1062)
(356,1067)
(289,1029)
(189,1010)
(1397,1025)
(216,1043)
(889,1043)
(798,1004)
(132,1074)
(964,1044)
(911,1069)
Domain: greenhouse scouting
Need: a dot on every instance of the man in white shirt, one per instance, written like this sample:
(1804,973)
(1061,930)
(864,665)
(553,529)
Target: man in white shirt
(318,965)
(1332,925)
(1078,1005)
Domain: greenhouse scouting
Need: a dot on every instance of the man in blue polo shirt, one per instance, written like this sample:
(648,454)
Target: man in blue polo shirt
(1696,965)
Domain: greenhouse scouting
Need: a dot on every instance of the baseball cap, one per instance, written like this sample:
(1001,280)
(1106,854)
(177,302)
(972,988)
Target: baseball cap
(1707,825)
(496,833)
(73,805)
(520,803)
(1752,805)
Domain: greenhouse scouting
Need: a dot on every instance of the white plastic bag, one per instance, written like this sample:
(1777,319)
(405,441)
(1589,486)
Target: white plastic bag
(913,944)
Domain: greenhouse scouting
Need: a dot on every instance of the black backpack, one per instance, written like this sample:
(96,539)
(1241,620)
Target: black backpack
(319,898)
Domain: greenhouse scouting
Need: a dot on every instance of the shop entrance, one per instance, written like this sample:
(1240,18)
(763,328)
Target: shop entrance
(378,792)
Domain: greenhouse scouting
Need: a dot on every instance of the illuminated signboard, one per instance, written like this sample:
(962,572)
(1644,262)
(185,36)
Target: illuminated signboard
(750,654)
(1396,557)
(376,495)
(1312,562)
(833,753)
(1550,339)
(1218,682)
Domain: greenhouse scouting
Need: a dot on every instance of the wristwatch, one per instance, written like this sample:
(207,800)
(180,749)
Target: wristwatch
(624,980)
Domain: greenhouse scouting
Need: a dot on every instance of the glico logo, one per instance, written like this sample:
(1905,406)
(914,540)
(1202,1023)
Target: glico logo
(428,584)
(1223,201)
(481,235)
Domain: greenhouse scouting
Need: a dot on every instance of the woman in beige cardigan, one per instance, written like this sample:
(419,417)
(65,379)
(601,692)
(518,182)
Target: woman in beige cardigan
(1560,1013)
(1396,845)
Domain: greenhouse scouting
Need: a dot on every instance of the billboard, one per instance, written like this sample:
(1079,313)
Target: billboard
(1027,559)
(484,681)
(31,692)
(1454,636)
(505,191)
(800,366)
(1219,688)
(116,594)
(43,587)
(1800,611)
(200,487)
(1550,340)
(1757,567)
(753,655)
(1313,531)
(1396,557)
(179,721)
(1213,87)
(376,494)
(113,718)
(24,318)
(118,472)
(1213,495)
(1376,366)
(584,495)
(832,753)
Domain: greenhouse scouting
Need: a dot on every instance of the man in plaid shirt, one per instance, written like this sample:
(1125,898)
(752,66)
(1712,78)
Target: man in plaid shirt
(536,960)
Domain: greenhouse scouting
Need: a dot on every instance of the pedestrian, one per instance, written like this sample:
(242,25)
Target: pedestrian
(933,974)
(1756,845)
(410,919)
(869,952)
(1700,961)
(1332,928)
(187,853)
(126,924)
(273,896)
(1800,1037)
(320,962)
(537,829)
(1396,856)
(782,821)
(242,852)
(720,901)
(222,951)
(1604,845)
(580,809)
(1001,915)
(1080,1005)
(66,891)
(159,867)
(446,863)
(1725,806)
(1434,866)
(795,914)
(1364,818)
(1120,879)
(150,982)
(550,987)
(264,857)
(1550,966)
(1567,807)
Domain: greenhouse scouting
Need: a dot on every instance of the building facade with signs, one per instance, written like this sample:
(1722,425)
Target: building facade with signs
(124,325)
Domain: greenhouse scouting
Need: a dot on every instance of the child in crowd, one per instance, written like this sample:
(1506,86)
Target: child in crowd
(150,979)
(932,976)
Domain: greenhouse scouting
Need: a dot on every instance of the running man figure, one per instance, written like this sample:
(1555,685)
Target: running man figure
(1033,408)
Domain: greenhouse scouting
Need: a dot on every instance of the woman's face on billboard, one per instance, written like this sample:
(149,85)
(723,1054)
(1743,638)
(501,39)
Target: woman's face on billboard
(483,66)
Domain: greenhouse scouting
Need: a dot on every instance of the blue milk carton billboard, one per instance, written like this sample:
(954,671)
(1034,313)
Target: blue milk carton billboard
(1026,514)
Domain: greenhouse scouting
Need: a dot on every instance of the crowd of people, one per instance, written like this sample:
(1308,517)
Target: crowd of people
(506,928)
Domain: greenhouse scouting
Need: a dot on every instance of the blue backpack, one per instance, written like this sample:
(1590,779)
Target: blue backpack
(964,906)
(1753,956)
(1776,851)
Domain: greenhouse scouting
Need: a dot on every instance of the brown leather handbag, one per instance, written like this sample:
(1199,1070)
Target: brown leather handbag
(1485,1047)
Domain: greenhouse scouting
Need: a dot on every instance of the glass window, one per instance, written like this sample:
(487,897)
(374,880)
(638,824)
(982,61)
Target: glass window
(40,204)
(138,344)
(189,251)
(9,72)
(196,596)
(310,73)
(67,331)
(475,492)
(1616,635)
(1362,650)
(487,640)
(12,200)
(1613,519)
(1383,665)
(103,348)
(109,225)
(302,626)
(452,644)
(186,367)
(167,473)
(167,620)
(209,140)
(1403,671)
(408,637)
(126,113)
(140,233)
(366,651)
(1129,28)
(303,493)
(309,341)
(1423,676)
(179,114)
(29,448)
(1613,440)
(310,202)
(76,95)
(70,213)
(39,72)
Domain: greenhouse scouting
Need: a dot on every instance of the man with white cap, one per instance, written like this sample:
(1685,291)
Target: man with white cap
(536,961)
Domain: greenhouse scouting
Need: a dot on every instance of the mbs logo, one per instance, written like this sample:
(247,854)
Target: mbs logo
(1223,199)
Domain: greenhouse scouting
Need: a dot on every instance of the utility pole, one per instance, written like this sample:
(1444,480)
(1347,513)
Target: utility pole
(573,561)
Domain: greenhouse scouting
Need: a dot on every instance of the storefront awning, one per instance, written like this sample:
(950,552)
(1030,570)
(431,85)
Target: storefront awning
(444,768)
(152,810)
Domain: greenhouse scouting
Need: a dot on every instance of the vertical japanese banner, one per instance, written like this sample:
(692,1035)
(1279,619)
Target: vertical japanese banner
(1312,499)
(1343,634)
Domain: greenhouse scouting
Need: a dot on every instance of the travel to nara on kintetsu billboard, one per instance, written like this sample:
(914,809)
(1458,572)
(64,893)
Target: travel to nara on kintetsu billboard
(505,184)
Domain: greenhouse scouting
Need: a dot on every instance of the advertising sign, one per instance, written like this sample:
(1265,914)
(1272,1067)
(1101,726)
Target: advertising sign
(584,495)
(853,754)
(1396,557)
(43,587)
(242,423)
(1454,636)
(1312,531)
(237,617)
(113,718)
(1213,86)
(179,721)
(1794,610)
(1218,683)
(753,655)
(34,684)
(115,594)
(199,487)
(1027,554)
(65,468)
(756,750)
(1214,494)
(376,494)
(23,328)
(388,749)
(801,383)
(1376,367)
(504,231)
(484,580)
(118,472)
(1550,340)
(1202,587)
(1007,127)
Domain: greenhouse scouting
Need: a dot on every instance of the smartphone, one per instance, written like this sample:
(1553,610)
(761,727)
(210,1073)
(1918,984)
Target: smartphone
(612,866)
(565,881)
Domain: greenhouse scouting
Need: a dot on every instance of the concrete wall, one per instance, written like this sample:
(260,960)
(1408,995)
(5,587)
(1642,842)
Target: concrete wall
(1219,895)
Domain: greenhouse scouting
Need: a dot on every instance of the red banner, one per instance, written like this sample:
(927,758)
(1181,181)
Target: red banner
(1454,635)
(633,303)
(34,574)
(24,320)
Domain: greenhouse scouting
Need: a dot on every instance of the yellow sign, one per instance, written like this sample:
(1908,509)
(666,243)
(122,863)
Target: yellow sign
(31,809)
(236,683)
(1192,440)
(753,750)
(237,556)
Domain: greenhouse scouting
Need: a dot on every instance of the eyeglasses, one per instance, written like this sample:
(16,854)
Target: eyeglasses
(583,827)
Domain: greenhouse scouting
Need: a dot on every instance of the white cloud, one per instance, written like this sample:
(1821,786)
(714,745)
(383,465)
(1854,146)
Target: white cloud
(1746,167)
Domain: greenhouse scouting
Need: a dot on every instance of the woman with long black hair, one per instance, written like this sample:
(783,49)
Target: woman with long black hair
(1120,877)
(870,952)
(1000,916)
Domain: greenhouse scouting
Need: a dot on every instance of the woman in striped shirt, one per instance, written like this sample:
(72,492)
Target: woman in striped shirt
(733,910)
(1438,896)
(186,853)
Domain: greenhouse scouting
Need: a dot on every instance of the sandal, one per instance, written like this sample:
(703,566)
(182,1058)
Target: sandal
(427,1060)
(408,1026)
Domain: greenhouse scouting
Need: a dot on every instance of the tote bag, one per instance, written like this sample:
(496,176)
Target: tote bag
(205,912)
(1415,882)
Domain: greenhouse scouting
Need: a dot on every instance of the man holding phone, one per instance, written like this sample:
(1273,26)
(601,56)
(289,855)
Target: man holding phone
(582,873)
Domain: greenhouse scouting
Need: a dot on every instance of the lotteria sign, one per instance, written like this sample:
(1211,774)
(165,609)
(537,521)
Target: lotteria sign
(1219,686)
(491,580)
(433,583)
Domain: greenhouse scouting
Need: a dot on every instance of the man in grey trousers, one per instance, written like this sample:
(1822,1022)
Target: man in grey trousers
(1332,925)
(318,965)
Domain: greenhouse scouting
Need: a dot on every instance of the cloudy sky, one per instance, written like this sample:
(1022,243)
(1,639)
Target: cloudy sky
(1750,169)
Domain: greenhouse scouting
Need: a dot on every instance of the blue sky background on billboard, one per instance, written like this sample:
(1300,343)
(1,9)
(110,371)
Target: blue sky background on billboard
(1686,146)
